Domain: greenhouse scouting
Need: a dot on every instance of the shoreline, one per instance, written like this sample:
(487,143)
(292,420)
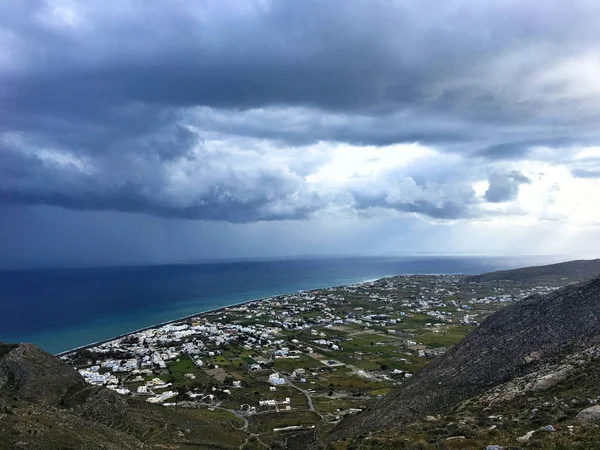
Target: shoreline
(214,310)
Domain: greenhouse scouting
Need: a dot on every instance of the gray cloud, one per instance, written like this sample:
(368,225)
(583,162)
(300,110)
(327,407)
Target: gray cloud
(445,208)
(169,178)
(505,186)
(106,106)
(586,173)
(366,59)
(587,167)
(440,189)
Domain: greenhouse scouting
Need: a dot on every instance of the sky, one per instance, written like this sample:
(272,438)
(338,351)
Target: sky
(167,131)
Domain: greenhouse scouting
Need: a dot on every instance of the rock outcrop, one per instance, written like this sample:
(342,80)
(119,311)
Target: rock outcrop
(591,414)
(31,374)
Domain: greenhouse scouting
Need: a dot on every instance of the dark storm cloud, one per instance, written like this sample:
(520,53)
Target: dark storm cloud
(504,187)
(105,105)
(506,150)
(371,58)
(445,209)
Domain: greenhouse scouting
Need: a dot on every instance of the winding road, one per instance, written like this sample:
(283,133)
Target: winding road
(311,406)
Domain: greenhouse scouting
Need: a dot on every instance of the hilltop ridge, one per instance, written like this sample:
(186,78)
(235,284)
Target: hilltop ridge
(579,270)
(31,375)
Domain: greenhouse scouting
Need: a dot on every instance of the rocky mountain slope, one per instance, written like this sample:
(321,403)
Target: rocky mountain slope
(29,375)
(512,343)
(579,270)
(45,404)
(554,407)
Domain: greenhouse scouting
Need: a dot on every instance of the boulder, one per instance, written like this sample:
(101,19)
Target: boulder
(551,379)
(526,436)
(591,414)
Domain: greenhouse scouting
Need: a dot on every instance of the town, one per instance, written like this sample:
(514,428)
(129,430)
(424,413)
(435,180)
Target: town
(302,358)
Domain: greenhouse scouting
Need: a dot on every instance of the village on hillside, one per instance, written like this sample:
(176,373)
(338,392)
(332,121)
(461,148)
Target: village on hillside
(312,355)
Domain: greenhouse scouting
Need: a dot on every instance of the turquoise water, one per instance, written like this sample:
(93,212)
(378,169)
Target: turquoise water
(59,309)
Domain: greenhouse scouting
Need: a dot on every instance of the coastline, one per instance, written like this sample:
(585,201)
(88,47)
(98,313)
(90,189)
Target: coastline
(214,310)
(71,309)
(158,325)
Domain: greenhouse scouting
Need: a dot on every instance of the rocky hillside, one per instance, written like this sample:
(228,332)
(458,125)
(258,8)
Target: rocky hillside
(579,270)
(509,345)
(28,374)
(554,407)
(45,404)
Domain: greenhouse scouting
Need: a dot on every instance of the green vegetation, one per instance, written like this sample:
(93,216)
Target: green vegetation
(267,422)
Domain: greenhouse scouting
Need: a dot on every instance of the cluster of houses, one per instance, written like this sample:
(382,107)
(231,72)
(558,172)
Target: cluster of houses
(93,376)
(162,397)
(200,338)
(276,403)
(267,328)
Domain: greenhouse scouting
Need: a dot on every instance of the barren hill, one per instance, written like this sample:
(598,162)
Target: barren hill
(579,270)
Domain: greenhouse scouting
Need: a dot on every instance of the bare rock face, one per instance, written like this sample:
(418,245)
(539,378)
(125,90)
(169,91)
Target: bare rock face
(549,380)
(591,414)
(33,375)
(499,350)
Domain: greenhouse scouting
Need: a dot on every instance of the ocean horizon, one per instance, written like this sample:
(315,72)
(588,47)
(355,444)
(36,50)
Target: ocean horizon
(60,309)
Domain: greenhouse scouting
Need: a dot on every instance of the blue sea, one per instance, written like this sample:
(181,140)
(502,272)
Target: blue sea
(60,309)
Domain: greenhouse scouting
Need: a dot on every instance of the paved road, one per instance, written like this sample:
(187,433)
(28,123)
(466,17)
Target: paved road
(232,411)
(307,395)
